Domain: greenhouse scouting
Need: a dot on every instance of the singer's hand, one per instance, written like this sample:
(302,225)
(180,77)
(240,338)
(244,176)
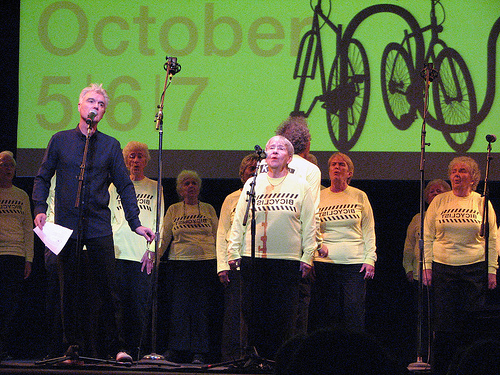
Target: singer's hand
(306,269)
(235,264)
(147,233)
(148,261)
(40,220)
(323,251)
(427,277)
(492,281)
(369,271)
(27,269)
(224,277)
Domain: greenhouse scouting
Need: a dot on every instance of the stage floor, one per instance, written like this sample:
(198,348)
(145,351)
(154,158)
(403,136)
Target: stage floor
(33,367)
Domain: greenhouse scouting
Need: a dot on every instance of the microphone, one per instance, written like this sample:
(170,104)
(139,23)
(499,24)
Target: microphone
(172,65)
(429,69)
(90,117)
(260,152)
(491,138)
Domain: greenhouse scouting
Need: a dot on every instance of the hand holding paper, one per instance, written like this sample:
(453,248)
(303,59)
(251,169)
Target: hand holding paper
(53,236)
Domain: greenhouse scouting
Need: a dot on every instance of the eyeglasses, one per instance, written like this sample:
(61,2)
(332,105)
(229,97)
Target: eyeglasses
(276,147)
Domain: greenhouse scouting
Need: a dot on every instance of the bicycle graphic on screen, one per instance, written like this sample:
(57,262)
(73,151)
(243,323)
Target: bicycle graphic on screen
(345,92)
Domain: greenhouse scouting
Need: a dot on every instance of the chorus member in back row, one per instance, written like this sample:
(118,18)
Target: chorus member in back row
(134,256)
(455,258)
(296,130)
(191,225)
(411,264)
(284,249)
(411,253)
(233,338)
(16,248)
(348,233)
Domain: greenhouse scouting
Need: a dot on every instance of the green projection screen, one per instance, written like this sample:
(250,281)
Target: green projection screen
(243,72)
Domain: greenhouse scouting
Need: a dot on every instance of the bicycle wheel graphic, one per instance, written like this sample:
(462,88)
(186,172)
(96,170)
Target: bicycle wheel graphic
(346,103)
(454,100)
(401,92)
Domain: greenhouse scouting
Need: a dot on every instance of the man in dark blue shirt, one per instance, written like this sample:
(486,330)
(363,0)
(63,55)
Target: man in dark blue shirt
(87,213)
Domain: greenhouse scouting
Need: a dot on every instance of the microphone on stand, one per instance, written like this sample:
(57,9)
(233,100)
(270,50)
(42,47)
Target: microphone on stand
(260,152)
(484,231)
(90,117)
(172,66)
(490,138)
(433,73)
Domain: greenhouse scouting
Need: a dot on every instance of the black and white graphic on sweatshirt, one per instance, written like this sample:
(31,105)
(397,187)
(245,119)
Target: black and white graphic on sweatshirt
(350,211)
(144,202)
(11,206)
(459,215)
(191,221)
(276,202)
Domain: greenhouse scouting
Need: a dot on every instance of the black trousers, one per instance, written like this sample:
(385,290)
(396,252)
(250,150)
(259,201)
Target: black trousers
(458,292)
(234,337)
(11,280)
(192,287)
(89,296)
(270,302)
(338,297)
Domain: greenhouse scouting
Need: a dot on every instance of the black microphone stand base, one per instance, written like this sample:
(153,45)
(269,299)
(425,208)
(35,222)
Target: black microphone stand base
(419,366)
(251,362)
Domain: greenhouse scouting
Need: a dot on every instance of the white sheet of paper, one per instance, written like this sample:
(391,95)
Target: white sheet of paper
(53,236)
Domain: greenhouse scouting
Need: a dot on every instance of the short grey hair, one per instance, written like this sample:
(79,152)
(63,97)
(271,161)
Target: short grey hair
(135,145)
(285,141)
(348,161)
(436,182)
(184,175)
(245,162)
(473,168)
(98,89)
(8,154)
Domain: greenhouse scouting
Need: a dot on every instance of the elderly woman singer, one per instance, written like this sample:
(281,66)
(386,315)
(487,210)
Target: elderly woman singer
(233,337)
(284,247)
(455,258)
(348,233)
(411,253)
(191,225)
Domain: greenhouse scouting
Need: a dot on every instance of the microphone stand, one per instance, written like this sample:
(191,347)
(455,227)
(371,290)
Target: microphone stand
(429,74)
(251,358)
(485,224)
(171,67)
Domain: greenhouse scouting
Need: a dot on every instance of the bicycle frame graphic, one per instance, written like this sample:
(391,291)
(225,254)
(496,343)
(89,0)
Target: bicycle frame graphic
(346,92)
